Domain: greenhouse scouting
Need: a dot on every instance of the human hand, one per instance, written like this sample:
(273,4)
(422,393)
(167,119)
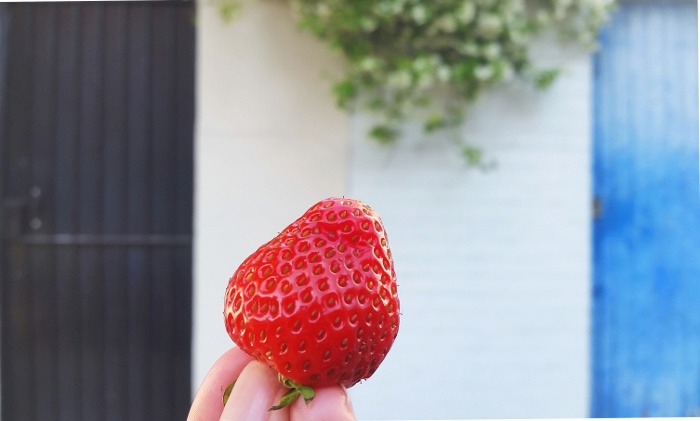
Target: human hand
(257,389)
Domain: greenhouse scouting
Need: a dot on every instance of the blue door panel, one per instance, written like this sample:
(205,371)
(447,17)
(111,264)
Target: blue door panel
(646,235)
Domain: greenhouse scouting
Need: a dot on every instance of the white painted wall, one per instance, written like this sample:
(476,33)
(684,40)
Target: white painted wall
(493,267)
(269,143)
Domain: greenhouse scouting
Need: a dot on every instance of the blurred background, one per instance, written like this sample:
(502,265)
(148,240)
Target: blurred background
(146,148)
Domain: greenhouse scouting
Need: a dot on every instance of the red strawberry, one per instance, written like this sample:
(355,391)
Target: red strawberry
(318,303)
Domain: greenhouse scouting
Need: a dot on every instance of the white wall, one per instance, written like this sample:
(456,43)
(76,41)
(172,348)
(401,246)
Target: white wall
(269,143)
(493,267)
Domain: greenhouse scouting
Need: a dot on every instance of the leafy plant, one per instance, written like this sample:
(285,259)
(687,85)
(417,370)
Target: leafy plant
(430,59)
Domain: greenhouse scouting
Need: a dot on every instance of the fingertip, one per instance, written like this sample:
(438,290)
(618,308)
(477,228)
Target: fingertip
(208,404)
(330,403)
(254,393)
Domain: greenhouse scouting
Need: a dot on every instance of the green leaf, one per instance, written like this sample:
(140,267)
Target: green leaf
(285,400)
(306,392)
(473,155)
(383,134)
(545,78)
(434,122)
(295,390)
(229,9)
(376,104)
(227,392)
(422,101)
(344,92)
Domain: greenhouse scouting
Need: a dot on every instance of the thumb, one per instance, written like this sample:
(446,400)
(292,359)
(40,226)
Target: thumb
(253,395)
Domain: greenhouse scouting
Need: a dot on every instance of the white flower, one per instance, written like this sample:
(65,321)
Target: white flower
(466,12)
(564,3)
(469,49)
(367,24)
(422,64)
(487,3)
(443,73)
(387,7)
(445,23)
(599,8)
(323,11)
(483,72)
(561,8)
(400,79)
(491,50)
(542,17)
(419,14)
(368,64)
(397,6)
(489,25)
(518,38)
(512,7)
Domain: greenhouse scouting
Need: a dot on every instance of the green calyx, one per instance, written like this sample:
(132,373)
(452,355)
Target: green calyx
(294,390)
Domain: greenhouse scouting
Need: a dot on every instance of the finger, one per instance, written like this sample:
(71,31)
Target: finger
(256,390)
(208,404)
(329,404)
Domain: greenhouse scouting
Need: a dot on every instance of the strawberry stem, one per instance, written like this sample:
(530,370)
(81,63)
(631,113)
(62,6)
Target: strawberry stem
(294,391)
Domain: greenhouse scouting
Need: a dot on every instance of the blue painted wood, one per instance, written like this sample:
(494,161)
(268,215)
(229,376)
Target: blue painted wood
(646,240)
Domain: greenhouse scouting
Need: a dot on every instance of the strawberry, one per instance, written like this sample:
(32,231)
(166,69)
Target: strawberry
(318,303)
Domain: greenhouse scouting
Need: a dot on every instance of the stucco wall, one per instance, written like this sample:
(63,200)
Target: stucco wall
(269,142)
(493,267)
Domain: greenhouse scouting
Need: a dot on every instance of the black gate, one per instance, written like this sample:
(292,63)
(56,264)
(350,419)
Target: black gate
(96,127)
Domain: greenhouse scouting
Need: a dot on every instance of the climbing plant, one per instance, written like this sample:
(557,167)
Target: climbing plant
(428,60)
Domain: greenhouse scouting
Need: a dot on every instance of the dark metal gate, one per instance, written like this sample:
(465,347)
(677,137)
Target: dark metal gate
(96,127)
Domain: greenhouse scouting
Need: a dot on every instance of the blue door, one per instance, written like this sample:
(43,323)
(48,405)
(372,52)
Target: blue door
(646,233)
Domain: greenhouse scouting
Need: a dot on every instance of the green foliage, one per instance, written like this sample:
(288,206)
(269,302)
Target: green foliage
(545,78)
(383,133)
(229,10)
(345,92)
(411,58)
